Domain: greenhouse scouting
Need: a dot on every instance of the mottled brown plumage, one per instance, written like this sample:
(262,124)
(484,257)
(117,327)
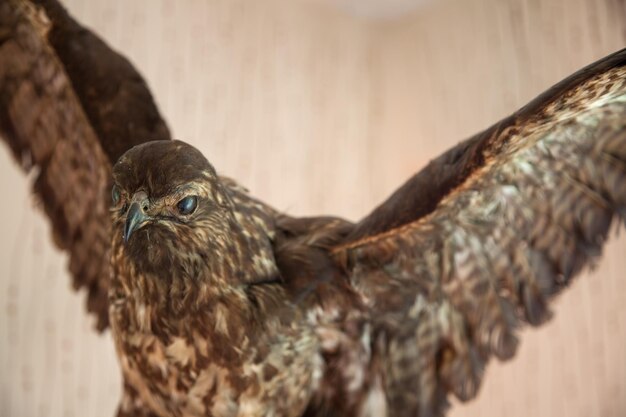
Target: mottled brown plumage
(222,306)
(201,321)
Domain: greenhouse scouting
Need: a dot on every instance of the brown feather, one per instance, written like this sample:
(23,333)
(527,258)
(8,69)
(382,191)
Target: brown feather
(69,107)
(525,206)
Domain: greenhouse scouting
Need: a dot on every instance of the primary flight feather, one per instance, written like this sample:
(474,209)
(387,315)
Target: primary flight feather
(222,306)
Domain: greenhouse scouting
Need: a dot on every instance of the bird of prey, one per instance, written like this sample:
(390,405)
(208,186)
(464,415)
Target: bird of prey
(220,305)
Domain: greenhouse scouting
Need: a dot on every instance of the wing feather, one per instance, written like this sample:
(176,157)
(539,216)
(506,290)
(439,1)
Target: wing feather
(528,204)
(69,106)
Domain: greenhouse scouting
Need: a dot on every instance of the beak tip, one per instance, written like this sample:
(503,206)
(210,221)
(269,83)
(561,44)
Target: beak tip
(134,220)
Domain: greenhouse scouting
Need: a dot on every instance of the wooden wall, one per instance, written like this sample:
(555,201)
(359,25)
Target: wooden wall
(320,112)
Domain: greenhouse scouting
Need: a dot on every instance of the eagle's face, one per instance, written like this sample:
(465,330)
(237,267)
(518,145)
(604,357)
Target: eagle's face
(169,209)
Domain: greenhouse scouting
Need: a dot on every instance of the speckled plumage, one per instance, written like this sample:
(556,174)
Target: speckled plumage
(236,309)
(200,322)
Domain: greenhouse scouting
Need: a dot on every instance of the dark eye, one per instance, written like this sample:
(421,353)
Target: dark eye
(187,205)
(116,194)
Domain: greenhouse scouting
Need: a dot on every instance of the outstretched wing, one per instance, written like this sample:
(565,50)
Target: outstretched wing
(69,107)
(482,238)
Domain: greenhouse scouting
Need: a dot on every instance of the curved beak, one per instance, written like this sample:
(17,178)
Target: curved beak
(136,217)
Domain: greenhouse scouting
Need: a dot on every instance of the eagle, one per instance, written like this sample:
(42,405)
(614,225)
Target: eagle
(220,305)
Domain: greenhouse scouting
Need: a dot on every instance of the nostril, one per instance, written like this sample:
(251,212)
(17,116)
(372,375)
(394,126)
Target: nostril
(144,207)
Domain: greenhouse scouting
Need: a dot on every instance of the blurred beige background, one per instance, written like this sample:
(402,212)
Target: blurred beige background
(325,106)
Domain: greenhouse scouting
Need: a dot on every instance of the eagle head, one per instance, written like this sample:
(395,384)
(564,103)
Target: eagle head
(175,223)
